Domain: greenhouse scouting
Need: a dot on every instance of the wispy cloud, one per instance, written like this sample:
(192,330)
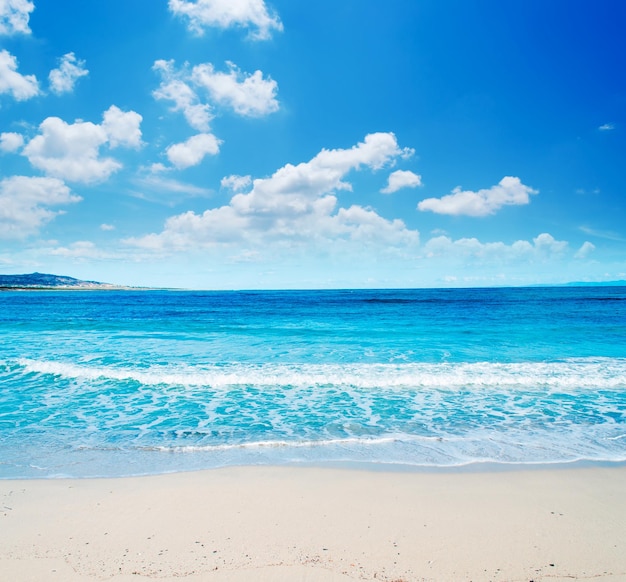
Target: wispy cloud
(166,191)
(606,234)
(607,127)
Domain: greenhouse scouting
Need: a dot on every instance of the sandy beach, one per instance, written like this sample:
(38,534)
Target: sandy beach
(318,524)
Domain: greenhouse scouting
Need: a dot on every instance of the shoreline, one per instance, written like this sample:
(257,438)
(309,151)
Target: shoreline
(319,523)
(471,467)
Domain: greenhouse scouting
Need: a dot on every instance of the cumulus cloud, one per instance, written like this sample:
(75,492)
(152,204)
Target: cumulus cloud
(607,127)
(107,227)
(174,87)
(548,244)
(401,179)
(21,87)
(236,183)
(63,79)
(247,94)
(14,16)
(509,191)
(297,203)
(193,151)
(122,127)
(72,151)
(585,250)
(201,14)
(10,142)
(24,201)
(542,246)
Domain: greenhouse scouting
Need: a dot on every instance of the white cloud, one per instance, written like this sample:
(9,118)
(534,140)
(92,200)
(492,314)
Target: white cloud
(541,247)
(401,179)
(122,127)
(192,151)
(158,168)
(175,88)
(82,249)
(607,127)
(510,191)
(106,227)
(606,234)
(227,14)
(247,94)
(296,204)
(165,191)
(23,202)
(72,151)
(546,243)
(22,87)
(365,225)
(585,250)
(583,192)
(236,183)
(63,79)
(10,142)
(14,16)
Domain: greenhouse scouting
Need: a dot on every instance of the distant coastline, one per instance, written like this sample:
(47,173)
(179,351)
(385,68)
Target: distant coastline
(47,282)
(595,284)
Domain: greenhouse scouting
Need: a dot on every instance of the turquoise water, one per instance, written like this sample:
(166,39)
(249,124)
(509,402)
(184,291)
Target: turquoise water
(125,383)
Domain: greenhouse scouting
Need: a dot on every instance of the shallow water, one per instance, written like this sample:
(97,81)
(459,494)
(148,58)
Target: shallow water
(119,383)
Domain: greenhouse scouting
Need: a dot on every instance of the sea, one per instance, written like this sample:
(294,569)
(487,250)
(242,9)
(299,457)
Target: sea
(117,383)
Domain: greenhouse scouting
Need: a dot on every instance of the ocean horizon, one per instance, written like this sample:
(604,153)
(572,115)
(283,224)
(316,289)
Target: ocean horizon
(116,383)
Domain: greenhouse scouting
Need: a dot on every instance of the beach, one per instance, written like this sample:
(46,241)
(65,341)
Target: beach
(318,524)
(397,435)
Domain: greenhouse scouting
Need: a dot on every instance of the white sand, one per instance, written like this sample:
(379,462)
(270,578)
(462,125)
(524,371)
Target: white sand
(316,524)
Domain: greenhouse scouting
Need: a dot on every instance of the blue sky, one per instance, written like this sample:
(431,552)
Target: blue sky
(226,144)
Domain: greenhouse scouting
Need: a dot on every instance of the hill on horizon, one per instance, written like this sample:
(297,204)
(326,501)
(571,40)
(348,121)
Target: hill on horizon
(45,280)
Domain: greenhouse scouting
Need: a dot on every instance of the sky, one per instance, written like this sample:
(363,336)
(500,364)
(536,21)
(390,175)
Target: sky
(252,144)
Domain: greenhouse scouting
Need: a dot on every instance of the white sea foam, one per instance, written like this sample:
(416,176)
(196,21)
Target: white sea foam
(576,373)
(405,449)
(275,444)
(410,413)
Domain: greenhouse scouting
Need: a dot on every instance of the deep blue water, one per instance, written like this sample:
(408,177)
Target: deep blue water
(134,382)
